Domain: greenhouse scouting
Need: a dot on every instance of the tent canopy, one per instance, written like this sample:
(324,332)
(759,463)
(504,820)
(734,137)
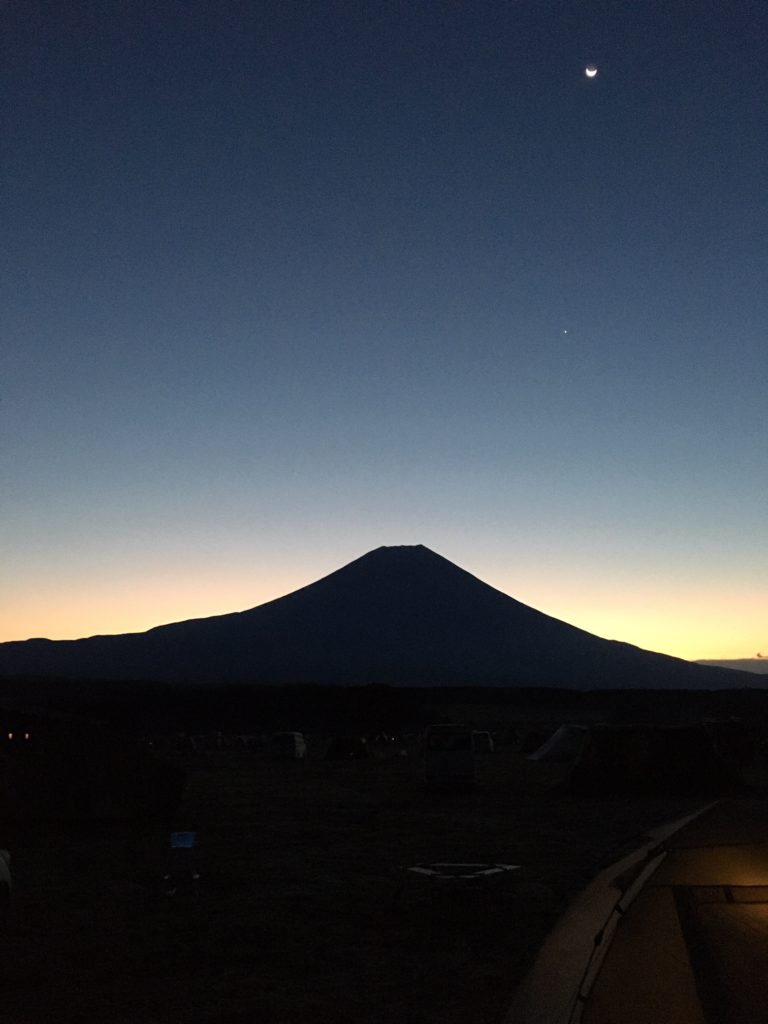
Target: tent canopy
(642,759)
(676,932)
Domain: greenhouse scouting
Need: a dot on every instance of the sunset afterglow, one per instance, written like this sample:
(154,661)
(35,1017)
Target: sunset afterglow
(282,287)
(680,620)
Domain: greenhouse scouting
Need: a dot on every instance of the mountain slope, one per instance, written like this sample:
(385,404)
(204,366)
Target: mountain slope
(398,615)
(759,666)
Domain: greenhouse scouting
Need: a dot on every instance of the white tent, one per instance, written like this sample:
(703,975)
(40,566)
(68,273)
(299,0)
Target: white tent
(676,933)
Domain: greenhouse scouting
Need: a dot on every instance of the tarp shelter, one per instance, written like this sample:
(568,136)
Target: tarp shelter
(676,933)
(617,759)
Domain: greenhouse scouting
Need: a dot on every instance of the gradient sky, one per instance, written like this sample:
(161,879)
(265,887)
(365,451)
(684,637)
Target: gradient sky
(284,281)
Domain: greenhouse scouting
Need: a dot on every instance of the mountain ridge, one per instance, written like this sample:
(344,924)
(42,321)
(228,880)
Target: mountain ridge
(398,615)
(757,666)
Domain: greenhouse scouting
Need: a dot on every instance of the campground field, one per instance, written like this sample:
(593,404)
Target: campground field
(299,914)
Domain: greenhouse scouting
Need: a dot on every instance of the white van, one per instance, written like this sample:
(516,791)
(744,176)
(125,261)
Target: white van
(449,758)
(289,745)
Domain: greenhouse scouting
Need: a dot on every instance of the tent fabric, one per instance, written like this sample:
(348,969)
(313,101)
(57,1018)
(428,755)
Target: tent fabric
(612,759)
(564,746)
(676,933)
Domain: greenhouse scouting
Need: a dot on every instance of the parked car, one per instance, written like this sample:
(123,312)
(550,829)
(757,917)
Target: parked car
(449,758)
(289,745)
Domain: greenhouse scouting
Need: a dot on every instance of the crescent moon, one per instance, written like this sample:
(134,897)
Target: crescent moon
(590,71)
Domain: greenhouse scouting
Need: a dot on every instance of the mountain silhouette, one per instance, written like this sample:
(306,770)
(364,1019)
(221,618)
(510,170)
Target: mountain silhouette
(757,665)
(401,616)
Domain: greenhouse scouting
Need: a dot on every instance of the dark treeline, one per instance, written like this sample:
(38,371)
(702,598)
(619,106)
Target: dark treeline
(144,707)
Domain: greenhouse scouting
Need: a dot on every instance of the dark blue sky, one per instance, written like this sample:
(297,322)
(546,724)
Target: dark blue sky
(285,281)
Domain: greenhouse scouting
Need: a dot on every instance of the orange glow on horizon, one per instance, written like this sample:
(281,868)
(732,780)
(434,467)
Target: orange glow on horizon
(684,622)
(133,606)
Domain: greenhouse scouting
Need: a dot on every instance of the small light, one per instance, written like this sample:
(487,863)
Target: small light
(10,735)
(26,735)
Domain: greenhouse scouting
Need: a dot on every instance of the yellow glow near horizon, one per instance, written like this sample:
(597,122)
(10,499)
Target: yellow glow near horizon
(682,635)
(690,613)
(686,624)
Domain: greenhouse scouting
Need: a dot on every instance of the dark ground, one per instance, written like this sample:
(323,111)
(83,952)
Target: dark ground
(296,917)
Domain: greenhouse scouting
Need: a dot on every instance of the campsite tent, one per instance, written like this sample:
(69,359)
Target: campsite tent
(676,932)
(617,759)
(565,746)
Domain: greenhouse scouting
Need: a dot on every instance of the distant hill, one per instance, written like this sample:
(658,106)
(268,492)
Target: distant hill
(758,665)
(402,616)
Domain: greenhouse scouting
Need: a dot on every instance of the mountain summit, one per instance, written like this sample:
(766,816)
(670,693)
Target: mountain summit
(402,616)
